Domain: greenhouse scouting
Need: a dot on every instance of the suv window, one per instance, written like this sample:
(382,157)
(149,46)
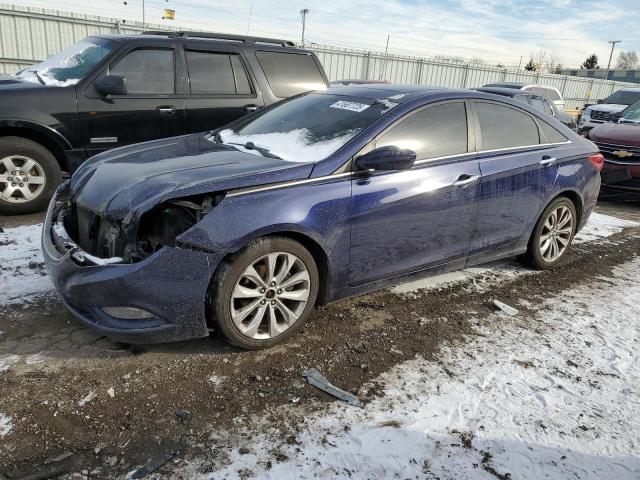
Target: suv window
(147,71)
(436,131)
(541,103)
(553,136)
(216,73)
(522,98)
(505,127)
(290,73)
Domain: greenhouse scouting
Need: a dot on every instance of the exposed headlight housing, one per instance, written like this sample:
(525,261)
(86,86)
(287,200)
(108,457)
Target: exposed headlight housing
(127,313)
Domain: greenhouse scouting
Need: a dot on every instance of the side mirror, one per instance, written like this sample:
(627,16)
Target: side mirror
(387,158)
(600,101)
(111,85)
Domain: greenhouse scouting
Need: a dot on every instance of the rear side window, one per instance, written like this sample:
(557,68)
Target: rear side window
(436,131)
(505,127)
(522,98)
(553,136)
(216,73)
(147,71)
(541,104)
(289,74)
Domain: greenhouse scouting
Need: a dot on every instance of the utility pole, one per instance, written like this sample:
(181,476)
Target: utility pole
(304,13)
(613,45)
(143,16)
(386,52)
(250,12)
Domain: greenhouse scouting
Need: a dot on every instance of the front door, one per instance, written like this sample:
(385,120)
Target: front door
(151,109)
(518,168)
(405,221)
(219,89)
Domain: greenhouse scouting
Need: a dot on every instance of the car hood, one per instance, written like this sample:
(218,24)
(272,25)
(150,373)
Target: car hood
(616,134)
(607,108)
(128,181)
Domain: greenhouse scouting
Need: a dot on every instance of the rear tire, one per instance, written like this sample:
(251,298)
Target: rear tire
(29,176)
(552,235)
(265,293)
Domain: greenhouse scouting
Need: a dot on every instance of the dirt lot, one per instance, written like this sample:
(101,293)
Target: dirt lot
(82,403)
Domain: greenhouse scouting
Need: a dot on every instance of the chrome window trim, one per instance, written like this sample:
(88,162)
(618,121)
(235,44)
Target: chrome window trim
(291,183)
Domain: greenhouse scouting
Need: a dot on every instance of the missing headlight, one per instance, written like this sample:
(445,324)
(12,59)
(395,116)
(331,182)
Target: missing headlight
(160,226)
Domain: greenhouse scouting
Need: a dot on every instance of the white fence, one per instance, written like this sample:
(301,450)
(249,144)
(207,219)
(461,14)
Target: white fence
(29,35)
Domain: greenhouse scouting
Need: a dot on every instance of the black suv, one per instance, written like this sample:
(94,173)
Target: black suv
(107,91)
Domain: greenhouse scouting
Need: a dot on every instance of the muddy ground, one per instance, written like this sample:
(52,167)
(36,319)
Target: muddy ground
(80,402)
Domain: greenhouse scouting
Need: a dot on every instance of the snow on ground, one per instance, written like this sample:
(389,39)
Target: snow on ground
(23,276)
(555,397)
(6,425)
(22,272)
(598,227)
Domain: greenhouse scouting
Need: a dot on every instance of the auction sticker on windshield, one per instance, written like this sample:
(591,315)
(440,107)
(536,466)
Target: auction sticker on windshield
(353,106)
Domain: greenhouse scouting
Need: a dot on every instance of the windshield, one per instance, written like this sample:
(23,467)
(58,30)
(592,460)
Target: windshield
(631,114)
(306,128)
(622,97)
(70,65)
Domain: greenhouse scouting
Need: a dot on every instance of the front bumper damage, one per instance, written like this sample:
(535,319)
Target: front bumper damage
(171,284)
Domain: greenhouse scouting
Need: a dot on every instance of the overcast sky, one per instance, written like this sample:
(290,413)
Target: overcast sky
(495,30)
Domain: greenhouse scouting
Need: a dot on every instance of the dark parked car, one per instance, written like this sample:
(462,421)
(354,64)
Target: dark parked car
(112,90)
(536,101)
(326,195)
(620,144)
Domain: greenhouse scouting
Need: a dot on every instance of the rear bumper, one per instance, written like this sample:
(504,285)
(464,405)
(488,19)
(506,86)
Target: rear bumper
(171,284)
(617,176)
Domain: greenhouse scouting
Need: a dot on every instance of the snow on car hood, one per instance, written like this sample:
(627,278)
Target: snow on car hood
(131,180)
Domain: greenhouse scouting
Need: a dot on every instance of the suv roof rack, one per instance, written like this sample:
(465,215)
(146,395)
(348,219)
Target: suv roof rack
(222,36)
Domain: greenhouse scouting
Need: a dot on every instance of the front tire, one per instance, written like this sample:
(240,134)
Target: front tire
(552,235)
(265,293)
(29,176)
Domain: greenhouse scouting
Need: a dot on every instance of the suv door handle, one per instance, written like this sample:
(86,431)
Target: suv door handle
(251,108)
(166,110)
(547,160)
(466,179)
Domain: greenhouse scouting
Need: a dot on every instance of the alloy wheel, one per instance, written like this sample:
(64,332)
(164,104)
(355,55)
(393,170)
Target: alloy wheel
(270,295)
(556,233)
(22,179)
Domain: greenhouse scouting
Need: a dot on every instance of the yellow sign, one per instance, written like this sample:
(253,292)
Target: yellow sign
(169,14)
(622,153)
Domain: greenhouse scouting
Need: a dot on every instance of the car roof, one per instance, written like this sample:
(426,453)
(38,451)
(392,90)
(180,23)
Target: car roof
(375,91)
(240,41)
(507,92)
(508,84)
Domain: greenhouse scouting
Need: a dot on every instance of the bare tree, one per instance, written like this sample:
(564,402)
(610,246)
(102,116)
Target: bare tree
(552,62)
(627,60)
(539,59)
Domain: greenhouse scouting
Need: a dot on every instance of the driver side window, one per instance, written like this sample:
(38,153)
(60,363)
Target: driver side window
(147,71)
(437,131)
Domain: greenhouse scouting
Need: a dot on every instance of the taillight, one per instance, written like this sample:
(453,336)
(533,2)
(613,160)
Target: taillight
(598,160)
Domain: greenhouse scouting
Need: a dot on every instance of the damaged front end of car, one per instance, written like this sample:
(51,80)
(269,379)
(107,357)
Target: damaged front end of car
(99,239)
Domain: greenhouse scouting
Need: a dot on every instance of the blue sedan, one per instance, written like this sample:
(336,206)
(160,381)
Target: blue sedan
(326,195)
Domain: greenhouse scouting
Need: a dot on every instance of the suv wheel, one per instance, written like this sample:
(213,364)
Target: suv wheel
(29,175)
(265,293)
(553,234)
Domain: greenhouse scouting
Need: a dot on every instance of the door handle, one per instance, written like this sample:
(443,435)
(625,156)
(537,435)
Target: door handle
(466,179)
(166,110)
(547,160)
(251,108)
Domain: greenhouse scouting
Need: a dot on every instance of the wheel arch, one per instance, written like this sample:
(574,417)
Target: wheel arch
(45,136)
(315,249)
(575,198)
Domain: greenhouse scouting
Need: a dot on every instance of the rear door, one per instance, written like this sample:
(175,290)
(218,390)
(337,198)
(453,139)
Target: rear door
(519,168)
(152,108)
(406,221)
(220,88)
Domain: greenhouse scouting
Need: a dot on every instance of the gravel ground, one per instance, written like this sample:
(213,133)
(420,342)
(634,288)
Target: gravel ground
(74,401)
